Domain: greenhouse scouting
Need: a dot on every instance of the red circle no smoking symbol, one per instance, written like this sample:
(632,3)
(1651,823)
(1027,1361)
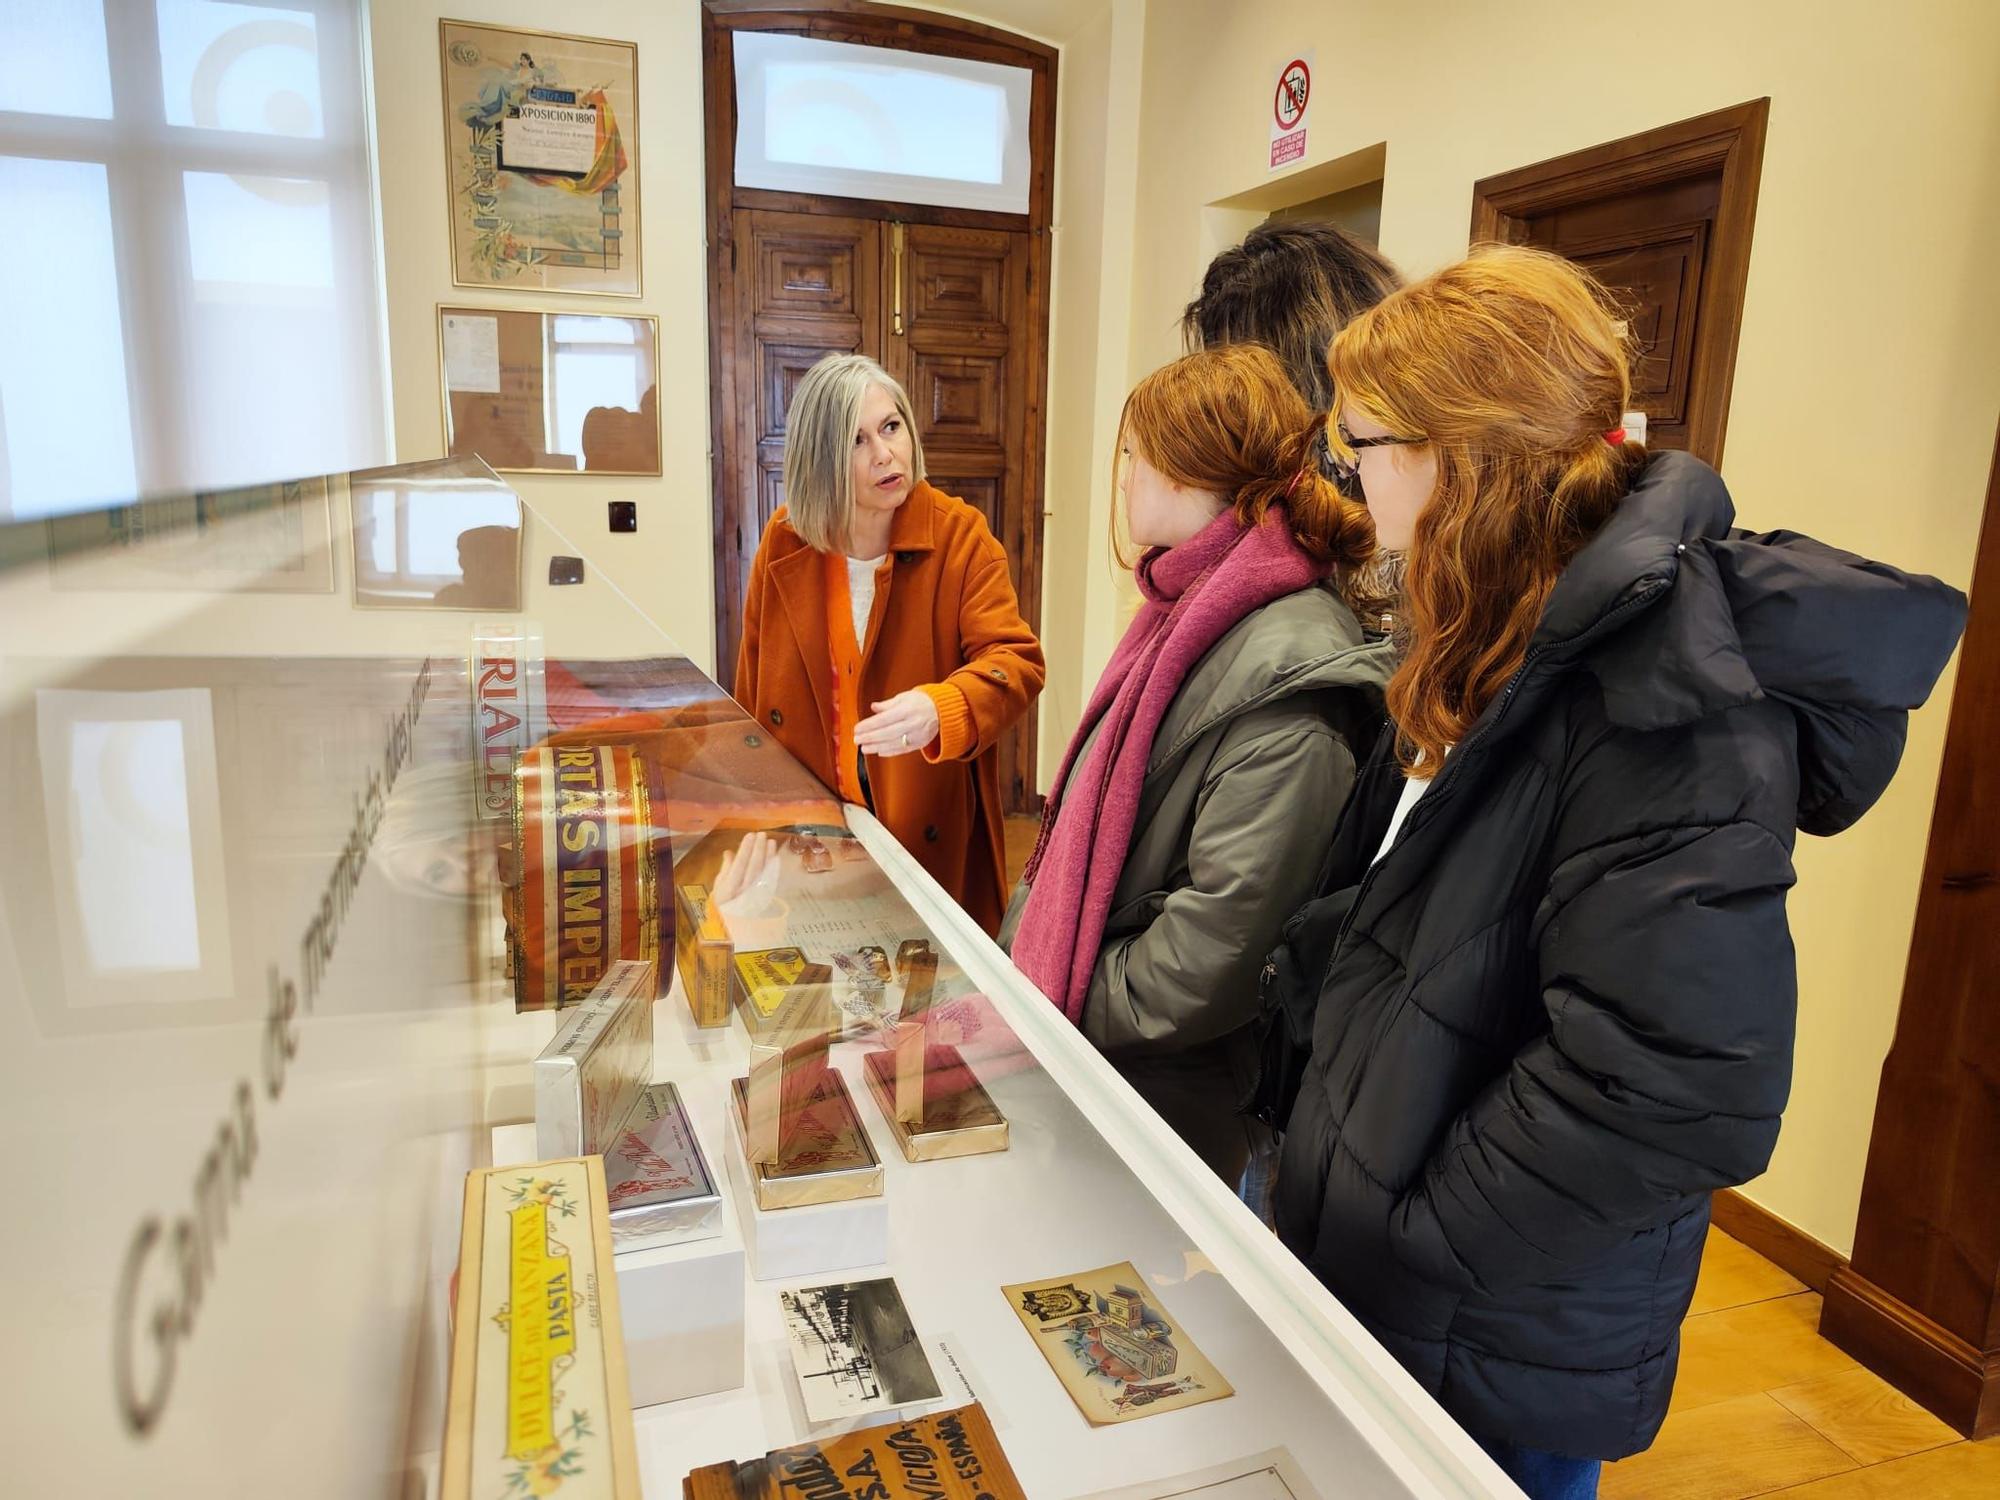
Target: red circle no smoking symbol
(1294,88)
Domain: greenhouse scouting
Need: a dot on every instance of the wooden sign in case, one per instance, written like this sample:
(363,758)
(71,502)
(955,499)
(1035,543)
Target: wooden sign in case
(538,1402)
(948,1455)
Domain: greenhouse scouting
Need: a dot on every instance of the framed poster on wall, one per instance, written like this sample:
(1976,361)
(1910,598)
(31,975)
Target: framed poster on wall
(537,391)
(542,159)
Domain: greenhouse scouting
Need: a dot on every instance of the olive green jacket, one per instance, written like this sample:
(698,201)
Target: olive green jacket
(1249,771)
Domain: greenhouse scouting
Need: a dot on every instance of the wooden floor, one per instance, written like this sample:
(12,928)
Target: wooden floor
(1765,1406)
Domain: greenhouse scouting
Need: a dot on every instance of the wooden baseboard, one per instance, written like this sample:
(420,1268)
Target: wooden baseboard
(1927,1362)
(1783,1244)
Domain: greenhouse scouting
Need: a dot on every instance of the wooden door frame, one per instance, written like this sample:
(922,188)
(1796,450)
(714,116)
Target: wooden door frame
(1919,1303)
(1729,139)
(911,31)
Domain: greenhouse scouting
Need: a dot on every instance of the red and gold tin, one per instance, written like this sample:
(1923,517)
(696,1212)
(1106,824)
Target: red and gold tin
(590,868)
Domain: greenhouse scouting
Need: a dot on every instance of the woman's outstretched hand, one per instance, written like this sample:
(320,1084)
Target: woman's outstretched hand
(748,878)
(908,721)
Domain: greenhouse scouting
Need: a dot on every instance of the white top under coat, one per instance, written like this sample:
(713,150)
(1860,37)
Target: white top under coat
(861,596)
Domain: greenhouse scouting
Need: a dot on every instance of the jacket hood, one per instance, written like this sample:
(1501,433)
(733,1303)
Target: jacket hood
(1304,642)
(1679,615)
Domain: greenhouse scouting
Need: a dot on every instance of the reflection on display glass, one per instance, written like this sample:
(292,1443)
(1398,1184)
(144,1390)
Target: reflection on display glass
(440,549)
(134,857)
(138,911)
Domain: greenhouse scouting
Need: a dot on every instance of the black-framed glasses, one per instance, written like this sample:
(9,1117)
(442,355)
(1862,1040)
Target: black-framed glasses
(1346,476)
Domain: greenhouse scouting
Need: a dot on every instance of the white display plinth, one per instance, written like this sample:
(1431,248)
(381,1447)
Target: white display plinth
(681,1304)
(786,1244)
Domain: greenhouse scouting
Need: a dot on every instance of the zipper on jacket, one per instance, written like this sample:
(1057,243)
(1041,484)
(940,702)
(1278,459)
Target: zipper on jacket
(1644,597)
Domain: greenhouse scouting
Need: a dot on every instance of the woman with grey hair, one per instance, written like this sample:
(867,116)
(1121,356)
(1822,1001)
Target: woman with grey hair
(882,641)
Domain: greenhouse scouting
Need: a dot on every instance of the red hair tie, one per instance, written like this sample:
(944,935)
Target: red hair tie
(1294,484)
(1615,437)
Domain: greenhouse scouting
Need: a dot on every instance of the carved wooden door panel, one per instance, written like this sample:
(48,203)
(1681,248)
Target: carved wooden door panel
(804,286)
(960,339)
(1664,219)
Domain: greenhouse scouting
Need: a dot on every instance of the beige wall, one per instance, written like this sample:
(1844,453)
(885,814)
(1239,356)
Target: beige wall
(1097,151)
(665,568)
(1867,380)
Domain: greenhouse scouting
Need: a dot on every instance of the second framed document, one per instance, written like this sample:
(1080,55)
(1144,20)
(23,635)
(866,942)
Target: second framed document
(533,391)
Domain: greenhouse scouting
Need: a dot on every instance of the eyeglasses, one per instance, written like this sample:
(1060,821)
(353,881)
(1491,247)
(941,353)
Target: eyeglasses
(1346,476)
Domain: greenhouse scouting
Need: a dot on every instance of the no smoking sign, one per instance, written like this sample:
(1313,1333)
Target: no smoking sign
(1289,99)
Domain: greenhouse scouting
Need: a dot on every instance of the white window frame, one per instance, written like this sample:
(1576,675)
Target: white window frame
(144,160)
(752,51)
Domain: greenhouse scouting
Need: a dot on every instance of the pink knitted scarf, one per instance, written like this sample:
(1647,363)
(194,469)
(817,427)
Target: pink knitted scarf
(1193,594)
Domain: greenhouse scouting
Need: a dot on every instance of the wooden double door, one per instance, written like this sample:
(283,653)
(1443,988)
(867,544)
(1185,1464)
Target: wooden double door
(953,313)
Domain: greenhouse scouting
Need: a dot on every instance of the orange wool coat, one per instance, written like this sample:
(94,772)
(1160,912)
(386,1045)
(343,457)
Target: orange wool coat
(946,620)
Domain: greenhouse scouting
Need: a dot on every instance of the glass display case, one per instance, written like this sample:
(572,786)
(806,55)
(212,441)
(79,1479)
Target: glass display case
(326,812)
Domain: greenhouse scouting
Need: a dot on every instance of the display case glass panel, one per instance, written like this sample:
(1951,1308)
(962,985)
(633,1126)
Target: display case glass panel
(305,869)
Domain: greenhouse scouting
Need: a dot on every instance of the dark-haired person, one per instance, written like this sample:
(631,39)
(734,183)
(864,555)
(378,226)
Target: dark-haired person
(1291,287)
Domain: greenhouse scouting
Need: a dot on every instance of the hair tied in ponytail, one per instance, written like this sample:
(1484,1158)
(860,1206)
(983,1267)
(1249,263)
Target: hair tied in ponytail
(1615,437)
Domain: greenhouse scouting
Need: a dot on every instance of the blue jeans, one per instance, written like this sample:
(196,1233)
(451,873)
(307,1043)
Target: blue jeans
(1546,1476)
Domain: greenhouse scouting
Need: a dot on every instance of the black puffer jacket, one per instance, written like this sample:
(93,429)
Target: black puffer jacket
(1560,1011)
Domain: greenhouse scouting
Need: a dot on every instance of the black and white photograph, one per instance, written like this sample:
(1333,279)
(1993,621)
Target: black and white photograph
(856,1350)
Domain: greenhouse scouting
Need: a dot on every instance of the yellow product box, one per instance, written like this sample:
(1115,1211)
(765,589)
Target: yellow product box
(538,1403)
(702,952)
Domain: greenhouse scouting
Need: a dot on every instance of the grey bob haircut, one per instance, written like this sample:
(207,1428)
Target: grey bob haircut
(819,445)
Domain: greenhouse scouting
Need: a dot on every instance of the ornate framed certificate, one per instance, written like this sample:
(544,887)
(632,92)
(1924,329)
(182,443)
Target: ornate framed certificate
(541,138)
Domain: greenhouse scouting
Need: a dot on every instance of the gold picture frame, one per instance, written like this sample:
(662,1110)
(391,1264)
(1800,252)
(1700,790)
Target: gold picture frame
(563,216)
(504,397)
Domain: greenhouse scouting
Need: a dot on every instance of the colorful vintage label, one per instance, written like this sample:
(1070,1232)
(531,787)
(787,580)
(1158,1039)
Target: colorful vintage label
(545,1400)
(655,1158)
(589,860)
(824,1135)
(950,1455)
(1109,1340)
(509,712)
(767,976)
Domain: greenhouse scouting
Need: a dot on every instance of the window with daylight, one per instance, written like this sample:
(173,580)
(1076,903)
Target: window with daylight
(195,298)
(868,122)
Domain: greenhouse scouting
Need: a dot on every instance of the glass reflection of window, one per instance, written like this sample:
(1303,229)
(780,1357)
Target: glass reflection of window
(132,806)
(133,859)
(410,537)
(597,362)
